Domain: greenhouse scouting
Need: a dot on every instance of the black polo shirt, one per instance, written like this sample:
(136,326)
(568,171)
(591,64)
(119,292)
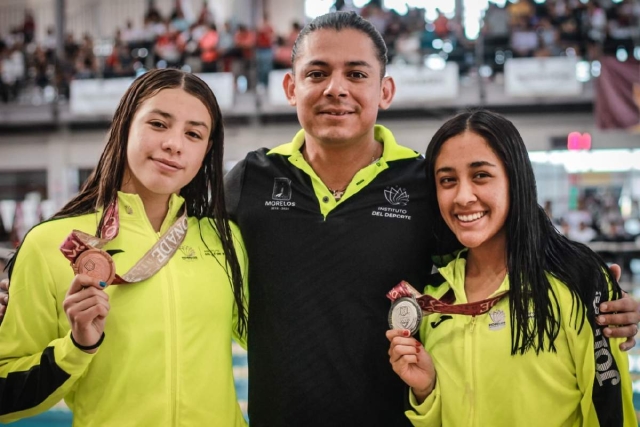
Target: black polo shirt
(318,274)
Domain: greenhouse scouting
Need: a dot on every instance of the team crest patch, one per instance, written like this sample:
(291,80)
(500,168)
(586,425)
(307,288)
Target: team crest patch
(497,320)
(281,189)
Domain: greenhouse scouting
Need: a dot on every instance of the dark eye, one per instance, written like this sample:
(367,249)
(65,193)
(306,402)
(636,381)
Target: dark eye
(447,180)
(481,175)
(194,135)
(315,74)
(157,124)
(358,75)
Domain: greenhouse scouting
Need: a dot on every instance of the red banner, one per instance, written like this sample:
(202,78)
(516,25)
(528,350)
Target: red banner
(617,103)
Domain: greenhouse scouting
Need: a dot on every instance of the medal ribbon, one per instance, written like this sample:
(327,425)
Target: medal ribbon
(429,304)
(151,262)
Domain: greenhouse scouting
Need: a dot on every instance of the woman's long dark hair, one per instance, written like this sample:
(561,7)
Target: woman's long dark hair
(534,246)
(204,195)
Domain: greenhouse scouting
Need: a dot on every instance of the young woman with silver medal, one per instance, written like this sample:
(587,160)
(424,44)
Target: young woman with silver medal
(511,333)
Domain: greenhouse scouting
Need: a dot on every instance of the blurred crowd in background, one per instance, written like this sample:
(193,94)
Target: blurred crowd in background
(585,29)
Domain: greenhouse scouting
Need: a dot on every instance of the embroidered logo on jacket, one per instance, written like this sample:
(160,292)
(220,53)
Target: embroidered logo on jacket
(281,195)
(497,320)
(397,198)
(188,253)
(281,189)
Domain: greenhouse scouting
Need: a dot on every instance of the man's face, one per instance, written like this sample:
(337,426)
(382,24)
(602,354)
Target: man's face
(336,87)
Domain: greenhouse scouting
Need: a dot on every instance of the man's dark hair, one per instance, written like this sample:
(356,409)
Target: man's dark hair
(343,21)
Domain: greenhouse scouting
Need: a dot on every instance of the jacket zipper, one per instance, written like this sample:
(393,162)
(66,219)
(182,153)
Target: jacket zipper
(472,365)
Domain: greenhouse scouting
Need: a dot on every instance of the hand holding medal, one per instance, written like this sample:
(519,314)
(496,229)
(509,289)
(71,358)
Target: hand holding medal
(86,306)
(409,305)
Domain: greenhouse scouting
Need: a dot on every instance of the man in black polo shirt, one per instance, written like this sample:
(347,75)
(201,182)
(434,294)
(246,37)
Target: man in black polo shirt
(331,222)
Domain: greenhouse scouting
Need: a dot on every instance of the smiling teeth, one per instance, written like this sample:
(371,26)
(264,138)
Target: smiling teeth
(472,217)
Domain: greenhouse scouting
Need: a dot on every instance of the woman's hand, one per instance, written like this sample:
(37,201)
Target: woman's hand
(86,306)
(4,297)
(412,363)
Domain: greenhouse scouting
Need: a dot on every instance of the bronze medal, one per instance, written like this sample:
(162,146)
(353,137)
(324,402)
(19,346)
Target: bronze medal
(405,313)
(96,263)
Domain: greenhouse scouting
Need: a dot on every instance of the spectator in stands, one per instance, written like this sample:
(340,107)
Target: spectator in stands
(583,234)
(293,33)
(41,68)
(208,46)
(265,36)
(167,49)
(178,21)
(49,44)
(282,54)
(86,64)
(407,48)
(496,26)
(225,46)
(244,43)
(521,12)
(206,15)
(12,72)
(441,25)
(29,27)
(548,39)
(595,30)
(119,63)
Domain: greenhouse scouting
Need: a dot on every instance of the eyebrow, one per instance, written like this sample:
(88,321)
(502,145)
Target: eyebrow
(169,116)
(321,63)
(473,165)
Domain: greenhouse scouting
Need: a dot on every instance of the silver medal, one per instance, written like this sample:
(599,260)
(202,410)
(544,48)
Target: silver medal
(405,313)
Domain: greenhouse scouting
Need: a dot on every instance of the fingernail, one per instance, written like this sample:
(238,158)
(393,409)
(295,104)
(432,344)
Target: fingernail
(103,284)
(601,319)
(406,333)
(603,307)
(606,332)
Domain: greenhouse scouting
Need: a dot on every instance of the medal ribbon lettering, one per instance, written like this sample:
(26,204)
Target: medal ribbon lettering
(86,256)
(429,304)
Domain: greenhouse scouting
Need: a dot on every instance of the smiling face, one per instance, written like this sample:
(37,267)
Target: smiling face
(167,142)
(336,87)
(473,190)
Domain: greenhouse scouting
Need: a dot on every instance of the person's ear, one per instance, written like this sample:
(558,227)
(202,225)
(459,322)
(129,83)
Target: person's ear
(289,86)
(387,92)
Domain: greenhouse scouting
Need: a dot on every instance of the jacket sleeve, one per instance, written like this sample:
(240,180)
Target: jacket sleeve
(38,366)
(428,413)
(233,182)
(244,265)
(602,372)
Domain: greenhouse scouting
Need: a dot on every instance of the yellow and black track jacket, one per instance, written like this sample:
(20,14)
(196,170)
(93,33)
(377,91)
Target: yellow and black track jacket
(479,383)
(166,358)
